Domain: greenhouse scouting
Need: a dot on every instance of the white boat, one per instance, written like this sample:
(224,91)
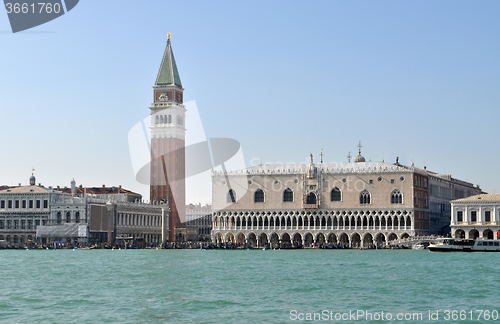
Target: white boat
(463,245)
(418,247)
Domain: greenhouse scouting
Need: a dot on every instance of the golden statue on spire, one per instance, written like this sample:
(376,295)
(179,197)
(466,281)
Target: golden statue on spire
(169,35)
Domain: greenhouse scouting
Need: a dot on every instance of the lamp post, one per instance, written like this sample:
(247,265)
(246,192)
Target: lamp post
(110,206)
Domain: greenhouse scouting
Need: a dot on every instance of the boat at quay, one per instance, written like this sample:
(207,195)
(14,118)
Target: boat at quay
(462,245)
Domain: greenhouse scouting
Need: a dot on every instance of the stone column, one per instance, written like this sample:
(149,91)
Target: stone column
(164,222)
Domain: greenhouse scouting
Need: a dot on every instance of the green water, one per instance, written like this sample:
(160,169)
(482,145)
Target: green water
(198,286)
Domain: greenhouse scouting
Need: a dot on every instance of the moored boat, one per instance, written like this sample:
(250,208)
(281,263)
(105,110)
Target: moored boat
(463,245)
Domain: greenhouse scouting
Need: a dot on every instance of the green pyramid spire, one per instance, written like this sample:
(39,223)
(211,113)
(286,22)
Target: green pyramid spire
(168,74)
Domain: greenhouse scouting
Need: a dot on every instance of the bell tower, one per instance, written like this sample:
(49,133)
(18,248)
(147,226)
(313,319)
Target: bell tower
(168,140)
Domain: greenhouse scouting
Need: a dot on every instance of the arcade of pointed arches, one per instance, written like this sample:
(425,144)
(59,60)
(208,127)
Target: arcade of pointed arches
(347,227)
(274,239)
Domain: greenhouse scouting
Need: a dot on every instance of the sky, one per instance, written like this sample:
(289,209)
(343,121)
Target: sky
(418,80)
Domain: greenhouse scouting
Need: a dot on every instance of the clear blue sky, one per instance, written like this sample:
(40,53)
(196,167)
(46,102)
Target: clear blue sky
(414,79)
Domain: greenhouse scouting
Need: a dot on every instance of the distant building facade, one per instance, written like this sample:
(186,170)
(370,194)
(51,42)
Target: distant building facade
(35,214)
(199,218)
(22,209)
(359,203)
(442,190)
(476,217)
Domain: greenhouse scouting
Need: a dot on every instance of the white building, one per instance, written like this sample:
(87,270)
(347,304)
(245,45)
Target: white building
(22,209)
(476,216)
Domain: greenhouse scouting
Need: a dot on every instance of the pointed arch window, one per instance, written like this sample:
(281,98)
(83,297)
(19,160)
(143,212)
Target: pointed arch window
(258,196)
(231,196)
(311,198)
(336,194)
(364,197)
(288,195)
(396,197)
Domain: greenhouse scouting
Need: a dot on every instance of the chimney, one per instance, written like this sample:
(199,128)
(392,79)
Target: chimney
(19,184)
(104,186)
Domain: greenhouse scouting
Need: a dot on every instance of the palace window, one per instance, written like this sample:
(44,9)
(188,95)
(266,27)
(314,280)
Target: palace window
(487,216)
(364,197)
(38,204)
(336,194)
(473,216)
(231,196)
(31,204)
(68,217)
(17,203)
(460,216)
(311,198)
(258,196)
(59,217)
(77,217)
(24,203)
(288,195)
(45,204)
(396,197)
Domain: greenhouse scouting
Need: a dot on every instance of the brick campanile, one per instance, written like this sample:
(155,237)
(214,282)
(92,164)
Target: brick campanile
(167,141)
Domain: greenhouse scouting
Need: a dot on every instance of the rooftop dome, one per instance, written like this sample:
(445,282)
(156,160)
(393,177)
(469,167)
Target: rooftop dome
(359,158)
(32,180)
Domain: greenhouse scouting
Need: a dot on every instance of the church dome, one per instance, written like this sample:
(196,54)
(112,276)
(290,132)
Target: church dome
(359,158)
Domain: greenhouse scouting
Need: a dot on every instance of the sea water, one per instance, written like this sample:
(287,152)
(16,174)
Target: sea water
(248,286)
